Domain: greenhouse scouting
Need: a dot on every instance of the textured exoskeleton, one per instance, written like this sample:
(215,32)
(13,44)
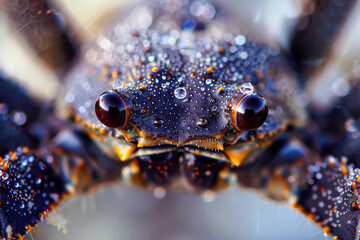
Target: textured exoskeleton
(175,96)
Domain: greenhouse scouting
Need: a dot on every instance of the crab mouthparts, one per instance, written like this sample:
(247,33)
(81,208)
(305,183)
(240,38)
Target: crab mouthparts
(206,148)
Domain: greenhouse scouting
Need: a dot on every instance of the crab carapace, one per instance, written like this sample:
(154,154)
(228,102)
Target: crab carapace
(173,95)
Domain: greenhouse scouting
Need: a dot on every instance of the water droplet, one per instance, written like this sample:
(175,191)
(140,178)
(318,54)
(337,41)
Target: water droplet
(146,19)
(318,176)
(351,125)
(30,159)
(38,180)
(3,108)
(352,128)
(240,40)
(105,43)
(208,81)
(203,122)
(279,110)
(17,185)
(82,109)
(117,84)
(42,166)
(22,205)
(49,159)
(158,122)
(19,118)
(314,197)
(69,98)
(291,179)
(54,196)
(151,58)
(30,204)
(159,193)
(196,8)
(247,88)
(180,93)
(341,87)
(209,11)
(244,55)
(5,175)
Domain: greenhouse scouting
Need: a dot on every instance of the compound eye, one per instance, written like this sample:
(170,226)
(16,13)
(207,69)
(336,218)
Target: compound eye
(111,109)
(250,112)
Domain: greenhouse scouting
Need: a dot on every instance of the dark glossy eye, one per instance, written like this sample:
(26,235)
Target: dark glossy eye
(111,109)
(250,112)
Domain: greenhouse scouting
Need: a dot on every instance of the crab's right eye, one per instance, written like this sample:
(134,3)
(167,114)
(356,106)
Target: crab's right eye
(111,109)
(249,112)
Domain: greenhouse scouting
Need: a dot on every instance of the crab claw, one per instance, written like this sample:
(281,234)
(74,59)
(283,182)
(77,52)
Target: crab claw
(331,198)
(29,189)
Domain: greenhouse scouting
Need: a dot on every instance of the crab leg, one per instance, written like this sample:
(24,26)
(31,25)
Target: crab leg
(34,182)
(29,187)
(35,178)
(331,198)
(45,30)
(327,192)
(280,170)
(315,32)
(21,110)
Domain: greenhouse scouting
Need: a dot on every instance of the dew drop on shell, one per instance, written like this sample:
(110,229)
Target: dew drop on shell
(203,122)
(247,88)
(5,176)
(180,93)
(158,122)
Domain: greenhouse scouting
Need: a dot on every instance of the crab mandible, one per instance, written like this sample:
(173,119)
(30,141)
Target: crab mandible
(175,96)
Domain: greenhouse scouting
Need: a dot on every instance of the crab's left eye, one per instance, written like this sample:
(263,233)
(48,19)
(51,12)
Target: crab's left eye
(250,112)
(111,109)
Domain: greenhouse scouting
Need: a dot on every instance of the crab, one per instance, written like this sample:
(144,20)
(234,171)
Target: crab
(175,97)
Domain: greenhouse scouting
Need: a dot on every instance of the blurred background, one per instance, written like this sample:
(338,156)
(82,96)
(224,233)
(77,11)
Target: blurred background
(122,212)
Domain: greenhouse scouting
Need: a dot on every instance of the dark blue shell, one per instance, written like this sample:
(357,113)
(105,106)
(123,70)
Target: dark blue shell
(180,67)
(28,188)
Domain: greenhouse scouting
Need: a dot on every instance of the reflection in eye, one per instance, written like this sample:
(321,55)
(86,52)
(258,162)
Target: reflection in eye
(251,112)
(111,109)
